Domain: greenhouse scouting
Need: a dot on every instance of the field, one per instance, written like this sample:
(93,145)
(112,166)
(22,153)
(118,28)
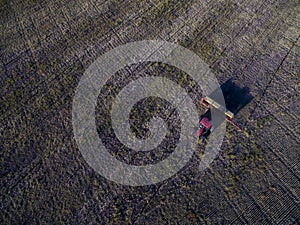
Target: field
(252,47)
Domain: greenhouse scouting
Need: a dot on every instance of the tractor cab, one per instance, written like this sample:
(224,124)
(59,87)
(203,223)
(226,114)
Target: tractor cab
(204,129)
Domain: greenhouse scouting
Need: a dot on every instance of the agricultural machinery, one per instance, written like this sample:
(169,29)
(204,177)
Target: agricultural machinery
(205,123)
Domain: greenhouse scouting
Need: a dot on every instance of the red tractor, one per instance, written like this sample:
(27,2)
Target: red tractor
(204,130)
(205,124)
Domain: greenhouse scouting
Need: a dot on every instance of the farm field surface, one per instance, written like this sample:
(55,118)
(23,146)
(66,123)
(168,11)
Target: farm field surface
(252,48)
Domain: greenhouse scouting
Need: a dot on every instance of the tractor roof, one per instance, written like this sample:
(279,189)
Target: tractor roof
(206,122)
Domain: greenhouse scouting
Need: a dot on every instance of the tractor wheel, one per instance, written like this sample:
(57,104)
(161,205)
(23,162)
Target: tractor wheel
(201,139)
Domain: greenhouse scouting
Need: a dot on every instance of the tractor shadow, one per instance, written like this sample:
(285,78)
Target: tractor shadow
(235,96)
